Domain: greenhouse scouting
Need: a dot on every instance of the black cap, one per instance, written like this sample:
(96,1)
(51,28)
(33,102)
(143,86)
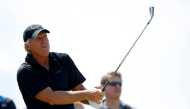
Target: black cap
(32,31)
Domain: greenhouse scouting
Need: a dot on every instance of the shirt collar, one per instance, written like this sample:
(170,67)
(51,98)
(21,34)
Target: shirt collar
(31,60)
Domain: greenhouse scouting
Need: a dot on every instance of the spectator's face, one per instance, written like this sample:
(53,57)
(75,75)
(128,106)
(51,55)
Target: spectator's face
(113,90)
(40,45)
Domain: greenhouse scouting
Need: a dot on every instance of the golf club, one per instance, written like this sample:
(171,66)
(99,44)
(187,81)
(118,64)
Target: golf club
(151,10)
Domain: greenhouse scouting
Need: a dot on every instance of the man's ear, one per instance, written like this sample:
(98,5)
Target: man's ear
(27,46)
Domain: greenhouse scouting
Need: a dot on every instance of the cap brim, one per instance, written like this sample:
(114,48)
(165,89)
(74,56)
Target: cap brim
(35,34)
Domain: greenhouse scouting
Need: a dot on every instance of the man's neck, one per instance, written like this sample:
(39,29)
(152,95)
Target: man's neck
(113,103)
(42,60)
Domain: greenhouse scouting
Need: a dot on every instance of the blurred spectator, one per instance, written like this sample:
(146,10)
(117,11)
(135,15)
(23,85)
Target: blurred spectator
(78,105)
(113,92)
(6,103)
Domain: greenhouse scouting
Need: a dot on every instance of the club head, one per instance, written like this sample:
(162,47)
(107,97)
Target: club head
(151,10)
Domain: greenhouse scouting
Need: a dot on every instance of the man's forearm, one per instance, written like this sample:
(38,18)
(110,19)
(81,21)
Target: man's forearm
(81,87)
(68,97)
(85,101)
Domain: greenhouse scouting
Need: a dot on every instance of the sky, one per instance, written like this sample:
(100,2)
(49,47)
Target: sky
(97,34)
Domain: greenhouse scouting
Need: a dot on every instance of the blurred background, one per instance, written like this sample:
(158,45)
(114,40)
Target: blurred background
(97,34)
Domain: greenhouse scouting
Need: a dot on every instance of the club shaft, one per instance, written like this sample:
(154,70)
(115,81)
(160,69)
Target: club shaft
(133,45)
(107,82)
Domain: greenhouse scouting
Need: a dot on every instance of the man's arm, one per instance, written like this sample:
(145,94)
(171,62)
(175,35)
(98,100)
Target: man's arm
(67,97)
(89,102)
(80,87)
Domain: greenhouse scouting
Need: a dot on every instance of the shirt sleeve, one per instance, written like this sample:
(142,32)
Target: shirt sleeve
(75,76)
(30,82)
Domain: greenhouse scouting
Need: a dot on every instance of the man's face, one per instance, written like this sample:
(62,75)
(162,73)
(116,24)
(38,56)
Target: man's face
(113,90)
(40,45)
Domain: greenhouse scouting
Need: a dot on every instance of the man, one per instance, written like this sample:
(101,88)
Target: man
(78,105)
(113,92)
(6,103)
(49,80)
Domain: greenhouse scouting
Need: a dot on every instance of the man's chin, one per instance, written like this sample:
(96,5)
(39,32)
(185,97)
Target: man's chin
(45,53)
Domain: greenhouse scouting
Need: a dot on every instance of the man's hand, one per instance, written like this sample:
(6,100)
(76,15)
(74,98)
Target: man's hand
(95,95)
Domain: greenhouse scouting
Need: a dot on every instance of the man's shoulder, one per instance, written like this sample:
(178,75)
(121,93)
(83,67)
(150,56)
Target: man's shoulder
(57,54)
(125,106)
(24,66)
(23,70)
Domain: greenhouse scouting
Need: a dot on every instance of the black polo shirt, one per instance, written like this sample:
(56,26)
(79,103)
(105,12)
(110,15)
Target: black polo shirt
(62,75)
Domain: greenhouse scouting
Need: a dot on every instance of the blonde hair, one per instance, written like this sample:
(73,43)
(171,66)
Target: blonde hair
(109,76)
